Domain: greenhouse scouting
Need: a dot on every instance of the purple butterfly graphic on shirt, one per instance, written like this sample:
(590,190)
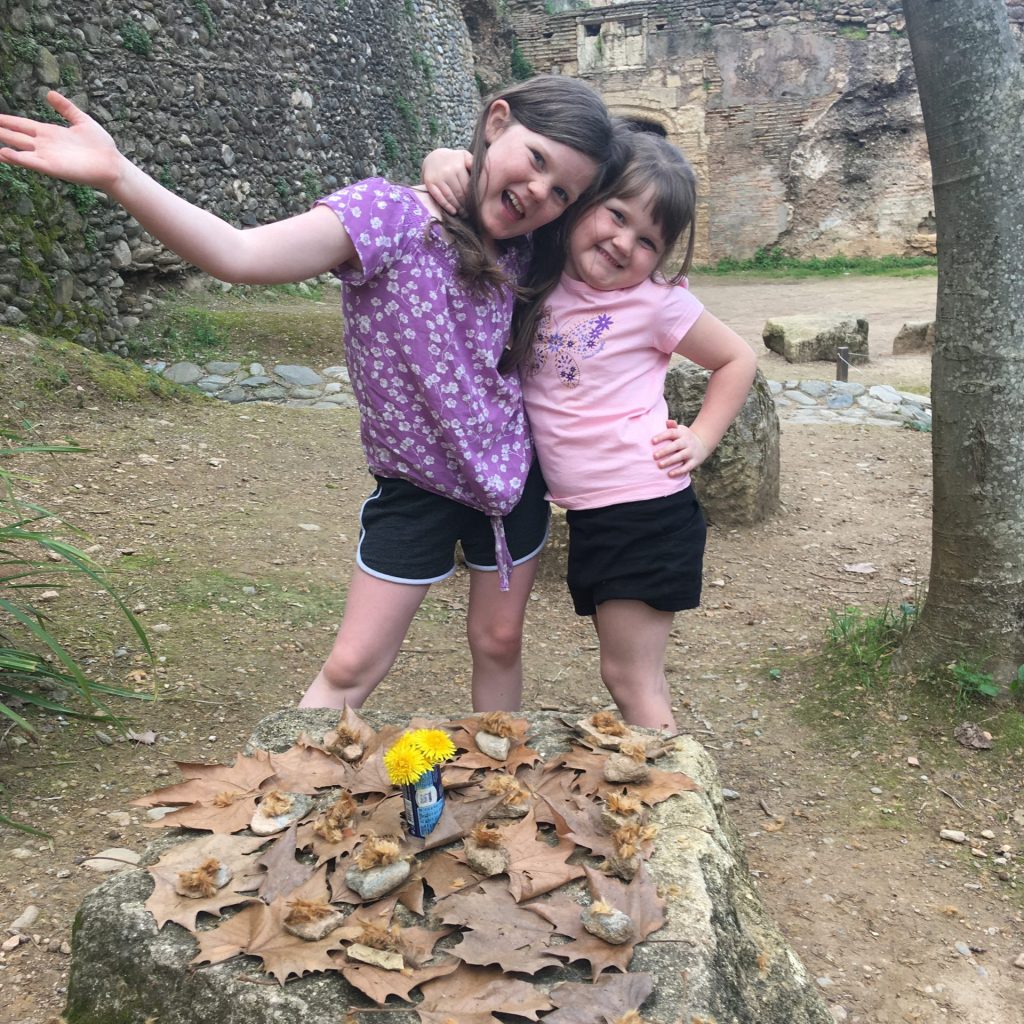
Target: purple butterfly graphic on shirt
(569,345)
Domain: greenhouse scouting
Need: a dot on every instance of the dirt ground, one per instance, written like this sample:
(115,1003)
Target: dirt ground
(233,529)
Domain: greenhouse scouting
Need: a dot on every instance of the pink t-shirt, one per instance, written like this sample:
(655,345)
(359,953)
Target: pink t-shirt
(594,392)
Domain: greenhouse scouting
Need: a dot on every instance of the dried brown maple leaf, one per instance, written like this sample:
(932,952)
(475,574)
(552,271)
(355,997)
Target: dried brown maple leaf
(354,725)
(258,930)
(229,812)
(379,984)
(463,733)
(206,781)
(639,900)
(580,821)
(305,769)
(534,865)
(611,997)
(446,874)
(471,994)
(283,871)
(370,775)
(499,931)
(164,902)
(591,781)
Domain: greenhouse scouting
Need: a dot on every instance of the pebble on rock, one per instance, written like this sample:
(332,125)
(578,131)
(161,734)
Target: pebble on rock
(374,882)
(264,824)
(496,747)
(608,923)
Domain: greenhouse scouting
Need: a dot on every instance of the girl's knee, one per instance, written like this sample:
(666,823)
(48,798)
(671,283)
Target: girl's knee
(496,642)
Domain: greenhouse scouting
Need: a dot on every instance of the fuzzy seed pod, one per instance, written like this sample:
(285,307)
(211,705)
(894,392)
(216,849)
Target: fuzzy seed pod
(498,723)
(487,836)
(376,936)
(276,803)
(201,881)
(606,722)
(377,851)
(303,911)
(507,786)
(226,798)
(635,750)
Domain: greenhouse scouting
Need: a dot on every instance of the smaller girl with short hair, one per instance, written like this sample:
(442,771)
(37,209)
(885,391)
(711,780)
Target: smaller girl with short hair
(593,345)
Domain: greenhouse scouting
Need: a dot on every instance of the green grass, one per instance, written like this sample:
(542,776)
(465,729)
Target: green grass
(61,366)
(261,324)
(773,262)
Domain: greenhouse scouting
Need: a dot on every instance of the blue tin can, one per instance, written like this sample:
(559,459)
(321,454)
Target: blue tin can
(424,802)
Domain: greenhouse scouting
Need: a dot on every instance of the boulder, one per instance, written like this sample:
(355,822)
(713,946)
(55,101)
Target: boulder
(914,336)
(809,339)
(718,957)
(739,483)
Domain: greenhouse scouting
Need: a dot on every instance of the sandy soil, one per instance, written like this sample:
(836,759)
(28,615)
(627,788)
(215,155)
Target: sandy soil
(233,532)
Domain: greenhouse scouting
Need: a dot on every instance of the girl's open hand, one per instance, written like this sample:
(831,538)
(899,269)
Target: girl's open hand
(445,173)
(678,449)
(81,152)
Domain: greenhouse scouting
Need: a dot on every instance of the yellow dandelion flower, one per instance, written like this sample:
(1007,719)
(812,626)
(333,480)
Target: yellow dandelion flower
(435,744)
(405,762)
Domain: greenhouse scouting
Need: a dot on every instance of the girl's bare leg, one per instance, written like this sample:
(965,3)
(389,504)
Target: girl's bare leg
(634,637)
(495,627)
(377,617)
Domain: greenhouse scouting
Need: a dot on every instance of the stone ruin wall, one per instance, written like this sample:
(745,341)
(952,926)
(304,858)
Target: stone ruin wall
(249,109)
(800,117)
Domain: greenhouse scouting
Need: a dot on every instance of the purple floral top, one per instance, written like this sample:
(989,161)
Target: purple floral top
(422,353)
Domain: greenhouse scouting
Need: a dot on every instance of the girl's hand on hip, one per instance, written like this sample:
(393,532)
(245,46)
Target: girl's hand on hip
(678,449)
(82,152)
(445,173)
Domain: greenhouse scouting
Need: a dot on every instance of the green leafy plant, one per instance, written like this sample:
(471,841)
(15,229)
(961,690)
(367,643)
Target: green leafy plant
(859,646)
(408,114)
(971,682)
(391,150)
(135,38)
(84,198)
(36,669)
(1017,684)
(205,14)
(520,66)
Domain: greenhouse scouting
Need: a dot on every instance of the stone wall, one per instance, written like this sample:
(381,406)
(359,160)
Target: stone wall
(249,109)
(800,117)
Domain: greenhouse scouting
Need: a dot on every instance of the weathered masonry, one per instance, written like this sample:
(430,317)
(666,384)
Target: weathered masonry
(801,118)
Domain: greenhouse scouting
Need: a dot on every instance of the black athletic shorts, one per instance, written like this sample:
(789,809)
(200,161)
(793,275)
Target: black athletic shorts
(408,535)
(651,551)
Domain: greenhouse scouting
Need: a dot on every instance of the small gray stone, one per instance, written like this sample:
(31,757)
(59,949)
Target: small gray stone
(25,920)
(374,882)
(814,388)
(619,768)
(184,373)
(496,747)
(220,368)
(952,835)
(301,375)
(839,401)
(729,794)
(486,860)
(614,927)
(314,931)
(269,824)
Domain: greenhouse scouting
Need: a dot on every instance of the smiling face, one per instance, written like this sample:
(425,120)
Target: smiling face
(616,244)
(527,179)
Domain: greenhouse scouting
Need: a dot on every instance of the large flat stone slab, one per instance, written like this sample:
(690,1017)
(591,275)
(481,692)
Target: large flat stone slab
(809,339)
(719,958)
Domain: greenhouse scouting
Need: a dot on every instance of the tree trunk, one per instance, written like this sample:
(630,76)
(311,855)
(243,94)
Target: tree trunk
(971,87)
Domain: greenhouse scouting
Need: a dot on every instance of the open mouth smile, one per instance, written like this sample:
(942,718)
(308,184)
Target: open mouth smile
(513,205)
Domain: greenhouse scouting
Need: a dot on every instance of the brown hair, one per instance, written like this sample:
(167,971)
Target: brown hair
(563,109)
(651,164)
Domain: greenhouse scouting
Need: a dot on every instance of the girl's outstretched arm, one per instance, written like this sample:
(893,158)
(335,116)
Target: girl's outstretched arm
(708,343)
(83,152)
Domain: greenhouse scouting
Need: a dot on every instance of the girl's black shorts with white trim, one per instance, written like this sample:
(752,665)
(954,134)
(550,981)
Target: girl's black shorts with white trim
(408,535)
(650,551)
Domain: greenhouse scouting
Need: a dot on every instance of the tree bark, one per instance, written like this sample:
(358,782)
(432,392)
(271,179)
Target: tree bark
(971,86)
